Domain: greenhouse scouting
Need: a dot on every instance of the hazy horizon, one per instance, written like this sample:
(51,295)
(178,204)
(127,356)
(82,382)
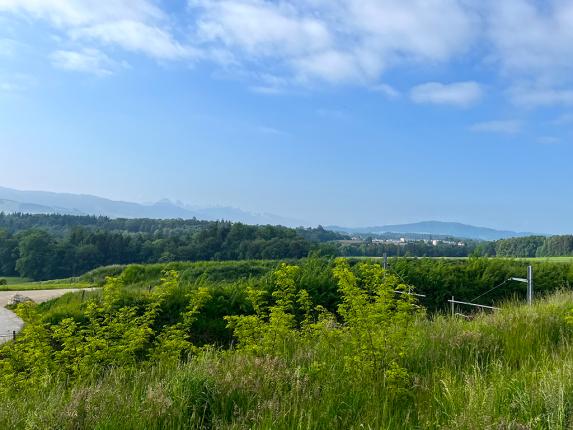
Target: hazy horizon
(348,113)
(293,222)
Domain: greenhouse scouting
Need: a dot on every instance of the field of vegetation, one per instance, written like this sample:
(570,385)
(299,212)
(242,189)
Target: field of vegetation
(44,247)
(13,280)
(316,343)
(23,285)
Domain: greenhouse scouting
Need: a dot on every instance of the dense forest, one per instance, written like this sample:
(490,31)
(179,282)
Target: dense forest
(56,246)
(52,246)
(529,246)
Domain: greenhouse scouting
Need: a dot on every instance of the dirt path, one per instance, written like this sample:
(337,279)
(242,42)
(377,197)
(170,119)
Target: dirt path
(9,321)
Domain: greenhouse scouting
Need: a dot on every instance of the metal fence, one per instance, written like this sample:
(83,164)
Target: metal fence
(6,337)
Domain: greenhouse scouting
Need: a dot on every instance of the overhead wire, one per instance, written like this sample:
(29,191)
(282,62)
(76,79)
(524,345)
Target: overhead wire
(490,290)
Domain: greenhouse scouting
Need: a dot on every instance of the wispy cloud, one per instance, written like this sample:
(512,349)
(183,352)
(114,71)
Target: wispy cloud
(539,96)
(87,60)
(15,83)
(307,43)
(531,42)
(310,38)
(499,126)
(460,94)
(532,38)
(387,90)
(133,25)
(136,37)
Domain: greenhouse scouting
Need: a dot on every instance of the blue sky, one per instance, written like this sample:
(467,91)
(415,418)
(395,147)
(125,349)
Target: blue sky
(354,112)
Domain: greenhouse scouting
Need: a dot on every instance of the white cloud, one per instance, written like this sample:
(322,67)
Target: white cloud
(77,13)
(535,96)
(134,25)
(335,40)
(87,60)
(532,43)
(261,28)
(136,37)
(305,42)
(500,126)
(461,94)
(331,66)
(387,90)
(532,38)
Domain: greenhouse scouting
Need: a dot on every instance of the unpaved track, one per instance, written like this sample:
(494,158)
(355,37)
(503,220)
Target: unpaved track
(9,321)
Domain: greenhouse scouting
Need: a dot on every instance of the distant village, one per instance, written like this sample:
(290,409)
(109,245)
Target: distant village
(404,241)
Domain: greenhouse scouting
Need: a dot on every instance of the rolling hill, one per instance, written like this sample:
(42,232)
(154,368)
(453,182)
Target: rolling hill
(43,202)
(440,228)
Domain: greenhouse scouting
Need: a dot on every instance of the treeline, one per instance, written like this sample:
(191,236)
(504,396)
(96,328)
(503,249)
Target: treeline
(39,254)
(58,246)
(530,246)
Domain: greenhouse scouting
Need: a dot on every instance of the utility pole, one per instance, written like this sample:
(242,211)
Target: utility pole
(385,261)
(529,285)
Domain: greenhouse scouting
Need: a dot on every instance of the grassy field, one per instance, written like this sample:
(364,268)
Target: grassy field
(550,259)
(510,370)
(22,284)
(12,280)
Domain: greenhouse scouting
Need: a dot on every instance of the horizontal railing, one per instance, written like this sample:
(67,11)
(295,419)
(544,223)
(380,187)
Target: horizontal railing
(473,304)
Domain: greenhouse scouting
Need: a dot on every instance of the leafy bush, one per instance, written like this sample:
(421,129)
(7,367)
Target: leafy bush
(106,334)
(321,344)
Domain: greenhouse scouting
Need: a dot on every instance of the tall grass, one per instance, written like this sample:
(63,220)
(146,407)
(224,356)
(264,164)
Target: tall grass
(509,370)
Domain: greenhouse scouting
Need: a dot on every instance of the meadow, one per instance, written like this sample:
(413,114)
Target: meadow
(13,280)
(22,284)
(316,343)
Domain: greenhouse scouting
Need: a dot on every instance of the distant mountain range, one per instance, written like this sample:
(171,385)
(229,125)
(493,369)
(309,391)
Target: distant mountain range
(42,202)
(453,229)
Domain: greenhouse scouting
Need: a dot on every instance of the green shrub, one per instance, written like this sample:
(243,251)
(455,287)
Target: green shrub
(303,356)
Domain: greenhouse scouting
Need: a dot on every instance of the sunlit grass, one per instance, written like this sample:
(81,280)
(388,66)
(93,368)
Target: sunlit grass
(512,369)
(21,284)
(13,280)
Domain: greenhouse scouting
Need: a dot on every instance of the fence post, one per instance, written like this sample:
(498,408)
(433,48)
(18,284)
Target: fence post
(13,334)
(529,285)
(453,305)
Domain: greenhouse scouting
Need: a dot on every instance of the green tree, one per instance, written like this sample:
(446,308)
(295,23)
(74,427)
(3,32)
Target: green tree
(37,255)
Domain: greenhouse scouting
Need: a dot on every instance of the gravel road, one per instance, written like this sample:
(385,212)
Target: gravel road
(9,321)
